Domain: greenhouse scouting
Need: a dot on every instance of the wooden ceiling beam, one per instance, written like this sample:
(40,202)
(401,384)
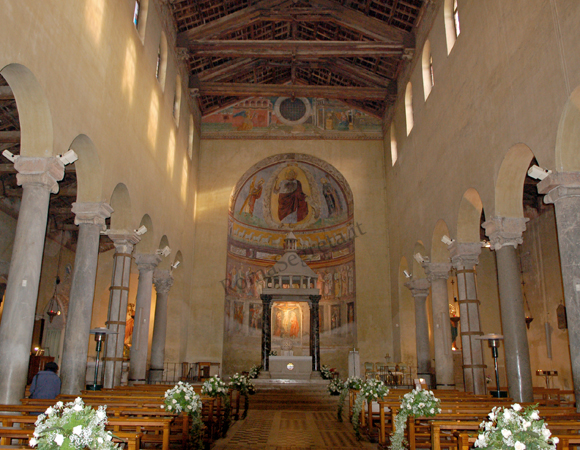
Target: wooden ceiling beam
(357,73)
(293,49)
(9,137)
(226,69)
(276,90)
(6,93)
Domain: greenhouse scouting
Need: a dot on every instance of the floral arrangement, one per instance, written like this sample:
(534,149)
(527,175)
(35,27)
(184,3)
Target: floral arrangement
(72,426)
(325,372)
(515,428)
(243,384)
(417,403)
(335,387)
(183,398)
(215,387)
(371,390)
(350,383)
(254,371)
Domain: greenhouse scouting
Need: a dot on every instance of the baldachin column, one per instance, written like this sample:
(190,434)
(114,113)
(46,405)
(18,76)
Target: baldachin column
(266,331)
(563,190)
(163,281)
(464,258)
(420,291)
(315,332)
(124,242)
(39,178)
(146,263)
(437,274)
(505,234)
(90,217)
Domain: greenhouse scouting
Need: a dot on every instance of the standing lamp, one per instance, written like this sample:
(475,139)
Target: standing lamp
(100,336)
(493,340)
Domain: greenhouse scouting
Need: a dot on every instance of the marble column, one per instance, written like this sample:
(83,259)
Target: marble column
(146,263)
(39,178)
(163,281)
(266,331)
(90,217)
(315,332)
(563,190)
(420,291)
(505,234)
(464,258)
(437,274)
(119,293)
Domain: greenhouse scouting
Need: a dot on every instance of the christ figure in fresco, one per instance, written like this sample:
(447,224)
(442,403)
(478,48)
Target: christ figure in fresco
(294,325)
(292,205)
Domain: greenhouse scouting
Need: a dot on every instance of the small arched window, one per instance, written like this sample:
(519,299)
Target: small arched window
(191,136)
(452,29)
(161,66)
(427,65)
(177,99)
(409,107)
(394,151)
(140,16)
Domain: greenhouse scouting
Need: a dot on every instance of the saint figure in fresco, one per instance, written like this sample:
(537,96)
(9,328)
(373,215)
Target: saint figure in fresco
(294,325)
(292,205)
(254,194)
(331,197)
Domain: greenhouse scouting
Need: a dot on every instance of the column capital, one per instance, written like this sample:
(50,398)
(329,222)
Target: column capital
(560,185)
(163,281)
(314,299)
(418,287)
(92,213)
(266,299)
(123,240)
(464,254)
(45,172)
(504,231)
(437,271)
(147,262)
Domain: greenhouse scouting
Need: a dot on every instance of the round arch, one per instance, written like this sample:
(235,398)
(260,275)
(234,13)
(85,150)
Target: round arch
(469,217)
(439,251)
(36,132)
(418,271)
(165,263)
(567,154)
(509,187)
(147,243)
(122,213)
(88,169)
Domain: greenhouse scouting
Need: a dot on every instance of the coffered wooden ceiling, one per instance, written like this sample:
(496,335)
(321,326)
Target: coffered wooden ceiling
(351,50)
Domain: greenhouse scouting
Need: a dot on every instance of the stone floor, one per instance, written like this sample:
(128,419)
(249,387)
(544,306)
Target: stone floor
(292,416)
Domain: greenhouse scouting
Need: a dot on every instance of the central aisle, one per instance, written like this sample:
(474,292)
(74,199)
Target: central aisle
(292,416)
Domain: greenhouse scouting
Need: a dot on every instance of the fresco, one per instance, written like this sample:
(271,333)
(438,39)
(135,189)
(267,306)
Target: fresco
(280,117)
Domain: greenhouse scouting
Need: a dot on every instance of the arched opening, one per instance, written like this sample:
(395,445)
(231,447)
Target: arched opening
(409,107)
(89,172)
(510,182)
(567,154)
(122,216)
(469,217)
(191,137)
(161,68)
(452,28)
(177,100)
(427,66)
(140,13)
(439,250)
(147,245)
(266,204)
(394,150)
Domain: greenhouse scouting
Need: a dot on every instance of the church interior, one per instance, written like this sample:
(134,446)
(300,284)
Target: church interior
(386,188)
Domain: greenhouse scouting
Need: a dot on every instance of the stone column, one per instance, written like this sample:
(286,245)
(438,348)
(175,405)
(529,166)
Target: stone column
(420,290)
(119,293)
(563,190)
(90,217)
(315,332)
(146,263)
(505,234)
(163,281)
(266,331)
(38,178)
(464,257)
(437,274)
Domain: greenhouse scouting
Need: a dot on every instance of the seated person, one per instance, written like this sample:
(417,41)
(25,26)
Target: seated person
(46,383)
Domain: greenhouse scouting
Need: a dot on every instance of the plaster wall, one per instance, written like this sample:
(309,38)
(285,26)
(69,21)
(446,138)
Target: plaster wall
(222,163)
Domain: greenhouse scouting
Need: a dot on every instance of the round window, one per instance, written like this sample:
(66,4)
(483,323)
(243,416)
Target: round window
(293,112)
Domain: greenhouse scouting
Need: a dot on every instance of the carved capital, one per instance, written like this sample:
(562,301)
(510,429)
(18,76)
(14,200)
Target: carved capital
(314,299)
(419,287)
(504,231)
(147,262)
(93,213)
(266,300)
(464,254)
(437,271)
(163,281)
(45,172)
(123,240)
(560,185)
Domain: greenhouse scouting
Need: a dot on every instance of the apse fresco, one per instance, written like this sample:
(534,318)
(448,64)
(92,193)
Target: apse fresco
(305,195)
(283,117)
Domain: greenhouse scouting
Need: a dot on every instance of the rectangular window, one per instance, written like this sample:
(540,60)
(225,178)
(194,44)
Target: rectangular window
(136,14)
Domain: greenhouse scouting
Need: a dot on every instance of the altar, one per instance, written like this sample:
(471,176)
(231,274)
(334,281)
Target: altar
(291,367)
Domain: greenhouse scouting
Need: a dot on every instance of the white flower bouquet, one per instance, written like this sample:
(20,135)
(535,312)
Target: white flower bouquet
(350,383)
(335,386)
(182,397)
(417,403)
(72,426)
(243,384)
(255,371)
(325,372)
(371,390)
(515,428)
(215,387)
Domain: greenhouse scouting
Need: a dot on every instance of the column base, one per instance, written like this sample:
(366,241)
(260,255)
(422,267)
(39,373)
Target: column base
(137,382)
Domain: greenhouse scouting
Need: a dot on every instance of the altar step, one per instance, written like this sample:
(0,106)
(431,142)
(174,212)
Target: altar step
(293,397)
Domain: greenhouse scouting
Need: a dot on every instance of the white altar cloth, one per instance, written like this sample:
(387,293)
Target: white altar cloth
(291,367)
